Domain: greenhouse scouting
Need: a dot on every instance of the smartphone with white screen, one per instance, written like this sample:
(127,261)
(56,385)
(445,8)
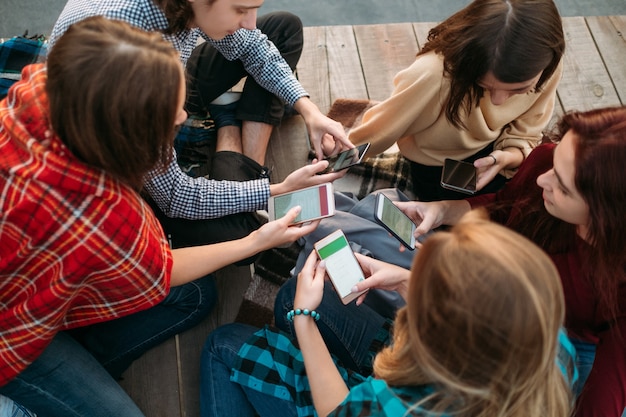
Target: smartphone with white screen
(459,176)
(395,221)
(316,202)
(341,265)
(345,159)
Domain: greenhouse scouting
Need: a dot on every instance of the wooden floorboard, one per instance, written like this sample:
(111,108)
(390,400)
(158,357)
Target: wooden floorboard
(385,50)
(360,62)
(345,76)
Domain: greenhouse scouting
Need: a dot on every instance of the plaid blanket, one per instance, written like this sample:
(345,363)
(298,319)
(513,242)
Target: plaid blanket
(15,54)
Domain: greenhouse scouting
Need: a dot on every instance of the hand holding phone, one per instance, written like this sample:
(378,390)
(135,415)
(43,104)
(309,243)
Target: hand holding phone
(316,202)
(459,176)
(341,265)
(395,221)
(345,159)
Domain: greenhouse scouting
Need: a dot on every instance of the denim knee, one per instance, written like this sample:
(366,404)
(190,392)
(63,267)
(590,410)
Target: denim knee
(199,296)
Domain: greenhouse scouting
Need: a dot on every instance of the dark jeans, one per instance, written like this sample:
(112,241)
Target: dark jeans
(219,396)
(76,374)
(350,330)
(427,181)
(117,343)
(210,74)
(66,381)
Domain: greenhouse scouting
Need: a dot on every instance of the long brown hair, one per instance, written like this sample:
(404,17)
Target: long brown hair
(600,152)
(481,325)
(514,39)
(114,92)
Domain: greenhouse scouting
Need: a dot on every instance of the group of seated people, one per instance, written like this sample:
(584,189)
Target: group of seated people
(512,303)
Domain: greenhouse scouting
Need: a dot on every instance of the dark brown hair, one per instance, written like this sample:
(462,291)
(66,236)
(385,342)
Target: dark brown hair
(514,39)
(114,92)
(600,152)
(178,13)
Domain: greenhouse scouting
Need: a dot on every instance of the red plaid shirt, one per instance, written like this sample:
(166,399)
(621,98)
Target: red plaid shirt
(76,246)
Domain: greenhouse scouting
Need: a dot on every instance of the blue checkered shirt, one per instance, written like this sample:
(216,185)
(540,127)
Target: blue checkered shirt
(263,61)
(177,194)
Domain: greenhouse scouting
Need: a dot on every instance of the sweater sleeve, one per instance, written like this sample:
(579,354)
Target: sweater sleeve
(413,106)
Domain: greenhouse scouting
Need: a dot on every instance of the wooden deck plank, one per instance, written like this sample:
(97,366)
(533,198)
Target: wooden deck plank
(421,30)
(152,381)
(609,35)
(384,50)
(586,83)
(345,72)
(312,69)
(232,282)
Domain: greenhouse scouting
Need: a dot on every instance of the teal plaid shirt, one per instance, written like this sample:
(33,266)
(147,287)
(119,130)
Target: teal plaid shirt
(271,363)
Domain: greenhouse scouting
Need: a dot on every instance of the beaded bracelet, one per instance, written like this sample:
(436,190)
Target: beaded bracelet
(305,311)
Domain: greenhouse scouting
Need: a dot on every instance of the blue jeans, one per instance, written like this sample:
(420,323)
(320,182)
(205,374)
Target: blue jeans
(221,397)
(349,330)
(585,355)
(76,374)
(66,381)
(117,343)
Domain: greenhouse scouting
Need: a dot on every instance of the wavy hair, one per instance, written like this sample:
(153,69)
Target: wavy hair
(514,39)
(113,92)
(481,325)
(600,152)
(178,13)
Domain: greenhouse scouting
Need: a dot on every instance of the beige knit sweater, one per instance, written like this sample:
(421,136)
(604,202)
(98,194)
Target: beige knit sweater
(413,117)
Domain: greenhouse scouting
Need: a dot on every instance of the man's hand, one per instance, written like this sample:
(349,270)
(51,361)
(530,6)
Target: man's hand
(328,136)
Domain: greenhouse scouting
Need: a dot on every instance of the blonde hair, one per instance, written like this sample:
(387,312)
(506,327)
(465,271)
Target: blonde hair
(481,325)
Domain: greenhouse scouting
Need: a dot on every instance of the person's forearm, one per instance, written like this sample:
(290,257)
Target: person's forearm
(327,387)
(305,107)
(197,261)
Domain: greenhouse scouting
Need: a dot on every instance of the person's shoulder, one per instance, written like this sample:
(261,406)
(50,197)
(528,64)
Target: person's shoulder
(428,63)
(540,159)
(426,70)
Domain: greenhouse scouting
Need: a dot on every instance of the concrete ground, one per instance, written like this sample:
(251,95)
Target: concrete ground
(39,16)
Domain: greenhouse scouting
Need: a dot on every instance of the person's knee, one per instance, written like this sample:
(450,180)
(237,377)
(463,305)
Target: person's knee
(286,21)
(199,296)
(223,343)
(283,303)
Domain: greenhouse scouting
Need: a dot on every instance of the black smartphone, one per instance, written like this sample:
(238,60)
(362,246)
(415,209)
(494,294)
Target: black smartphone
(459,176)
(395,221)
(345,159)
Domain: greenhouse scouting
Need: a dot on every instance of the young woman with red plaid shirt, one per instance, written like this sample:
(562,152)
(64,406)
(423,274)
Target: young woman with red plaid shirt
(79,246)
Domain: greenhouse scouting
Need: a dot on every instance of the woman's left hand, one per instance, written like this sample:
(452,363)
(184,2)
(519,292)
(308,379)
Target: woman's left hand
(489,166)
(310,284)
(486,168)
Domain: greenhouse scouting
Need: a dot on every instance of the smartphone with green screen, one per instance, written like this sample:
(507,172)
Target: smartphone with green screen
(341,265)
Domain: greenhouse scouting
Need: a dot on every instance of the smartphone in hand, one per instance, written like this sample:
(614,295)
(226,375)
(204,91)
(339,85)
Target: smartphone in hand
(459,176)
(341,265)
(345,159)
(395,221)
(316,202)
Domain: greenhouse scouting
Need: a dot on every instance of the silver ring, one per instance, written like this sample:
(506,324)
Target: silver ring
(495,161)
